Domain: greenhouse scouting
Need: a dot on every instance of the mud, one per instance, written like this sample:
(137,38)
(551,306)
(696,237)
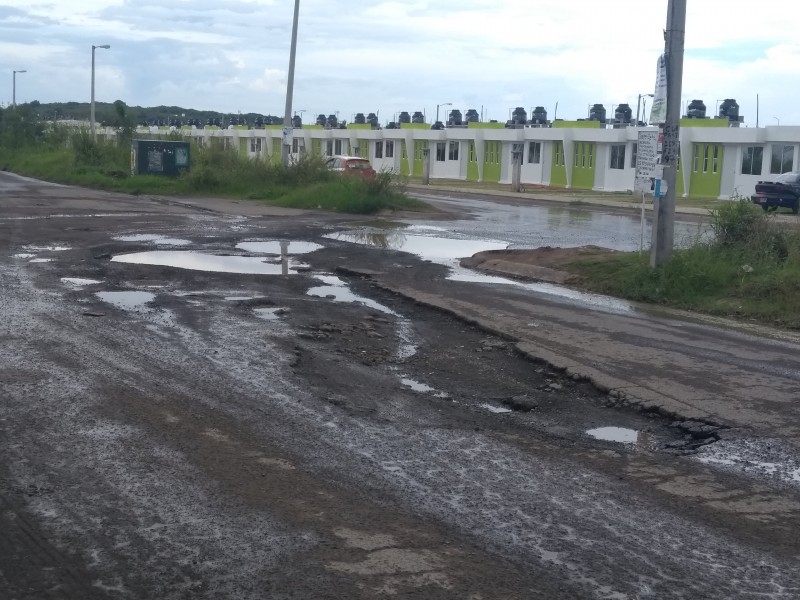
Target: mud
(250,435)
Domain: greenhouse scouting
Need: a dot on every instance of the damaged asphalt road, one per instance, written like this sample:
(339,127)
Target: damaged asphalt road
(344,431)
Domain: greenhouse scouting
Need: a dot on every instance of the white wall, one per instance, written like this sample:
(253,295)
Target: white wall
(447,169)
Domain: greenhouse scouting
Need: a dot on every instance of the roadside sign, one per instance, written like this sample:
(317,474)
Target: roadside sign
(647,154)
(288,134)
(658,111)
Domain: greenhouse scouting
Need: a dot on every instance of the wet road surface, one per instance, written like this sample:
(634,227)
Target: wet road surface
(171,431)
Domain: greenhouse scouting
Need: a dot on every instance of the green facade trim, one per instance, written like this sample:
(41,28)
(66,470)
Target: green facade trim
(419,146)
(558,169)
(559,124)
(276,150)
(414,126)
(583,170)
(492,158)
(705,123)
(316,147)
(403,158)
(472,163)
(485,125)
(706,176)
(359,126)
(243,142)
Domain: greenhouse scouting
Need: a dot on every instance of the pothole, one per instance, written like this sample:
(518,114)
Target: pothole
(197,261)
(279,247)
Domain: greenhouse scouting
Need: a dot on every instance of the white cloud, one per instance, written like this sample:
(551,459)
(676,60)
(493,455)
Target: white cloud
(232,55)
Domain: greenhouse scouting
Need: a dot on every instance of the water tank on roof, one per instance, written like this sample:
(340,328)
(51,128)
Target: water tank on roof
(333,121)
(519,116)
(539,116)
(360,119)
(321,120)
(696,110)
(372,119)
(597,113)
(729,109)
(454,118)
(418,117)
(623,113)
(472,116)
(404,117)
(297,121)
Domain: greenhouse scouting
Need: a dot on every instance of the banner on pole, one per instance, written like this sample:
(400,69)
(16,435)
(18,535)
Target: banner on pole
(658,111)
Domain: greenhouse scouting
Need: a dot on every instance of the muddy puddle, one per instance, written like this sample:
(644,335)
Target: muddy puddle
(79,281)
(277,247)
(337,290)
(160,240)
(770,459)
(127,300)
(197,261)
(269,313)
(621,435)
(495,409)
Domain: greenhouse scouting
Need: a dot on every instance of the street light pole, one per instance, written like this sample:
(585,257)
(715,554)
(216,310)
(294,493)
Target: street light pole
(437,109)
(639,106)
(664,213)
(91,111)
(14,87)
(286,147)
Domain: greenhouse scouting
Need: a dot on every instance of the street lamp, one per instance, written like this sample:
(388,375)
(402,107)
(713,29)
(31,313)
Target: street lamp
(778,120)
(14,87)
(91,115)
(639,105)
(437,109)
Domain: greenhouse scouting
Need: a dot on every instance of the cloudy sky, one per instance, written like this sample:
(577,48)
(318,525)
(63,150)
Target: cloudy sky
(370,55)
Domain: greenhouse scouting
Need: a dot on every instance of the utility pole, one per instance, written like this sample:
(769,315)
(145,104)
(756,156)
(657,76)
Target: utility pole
(664,214)
(288,134)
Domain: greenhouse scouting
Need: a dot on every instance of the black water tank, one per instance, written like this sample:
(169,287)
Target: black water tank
(519,116)
(321,120)
(729,109)
(437,125)
(297,121)
(391,125)
(696,110)
(455,118)
(472,116)
(404,117)
(372,119)
(360,119)
(539,116)
(333,121)
(418,117)
(623,113)
(597,113)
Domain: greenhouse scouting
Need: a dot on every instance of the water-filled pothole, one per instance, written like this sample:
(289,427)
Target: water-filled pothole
(427,247)
(279,247)
(79,281)
(622,435)
(338,291)
(127,300)
(161,240)
(197,261)
(493,408)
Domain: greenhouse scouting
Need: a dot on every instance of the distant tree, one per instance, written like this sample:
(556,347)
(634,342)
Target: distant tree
(123,123)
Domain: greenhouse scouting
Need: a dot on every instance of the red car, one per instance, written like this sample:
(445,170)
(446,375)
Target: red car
(351,165)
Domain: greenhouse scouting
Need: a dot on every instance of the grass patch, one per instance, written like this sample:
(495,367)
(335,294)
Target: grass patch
(751,269)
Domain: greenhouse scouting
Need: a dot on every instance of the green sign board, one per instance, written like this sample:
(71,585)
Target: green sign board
(158,157)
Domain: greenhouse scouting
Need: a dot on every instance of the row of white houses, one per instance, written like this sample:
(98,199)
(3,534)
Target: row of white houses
(717,161)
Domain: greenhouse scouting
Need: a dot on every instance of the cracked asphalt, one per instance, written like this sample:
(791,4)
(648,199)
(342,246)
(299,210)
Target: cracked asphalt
(363,426)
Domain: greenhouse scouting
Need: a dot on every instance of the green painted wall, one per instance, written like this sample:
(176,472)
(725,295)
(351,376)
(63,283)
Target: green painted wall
(419,146)
(472,163)
(485,125)
(414,126)
(244,143)
(705,182)
(705,123)
(359,126)
(403,158)
(559,124)
(492,157)
(583,172)
(558,169)
(276,150)
(316,147)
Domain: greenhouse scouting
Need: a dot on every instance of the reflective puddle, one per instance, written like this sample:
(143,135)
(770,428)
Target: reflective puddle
(40,260)
(130,300)
(53,248)
(338,291)
(79,281)
(23,255)
(279,247)
(436,249)
(493,408)
(762,458)
(621,435)
(416,385)
(156,239)
(269,314)
(197,261)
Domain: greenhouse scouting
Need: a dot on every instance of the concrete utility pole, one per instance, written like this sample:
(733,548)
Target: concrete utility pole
(14,87)
(664,214)
(91,109)
(286,147)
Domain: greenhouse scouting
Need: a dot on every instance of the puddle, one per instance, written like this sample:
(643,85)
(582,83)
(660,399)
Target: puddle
(130,300)
(436,249)
(416,385)
(498,410)
(79,281)
(616,434)
(279,248)
(40,260)
(23,255)
(53,248)
(241,298)
(338,291)
(197,261)
(148,237)
(269,314)
(760,458)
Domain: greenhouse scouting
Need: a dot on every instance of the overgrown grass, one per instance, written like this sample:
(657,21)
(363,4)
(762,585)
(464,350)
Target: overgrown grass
(75,159)
(750,269)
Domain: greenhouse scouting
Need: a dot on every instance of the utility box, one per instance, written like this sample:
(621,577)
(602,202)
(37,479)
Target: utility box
(159,157)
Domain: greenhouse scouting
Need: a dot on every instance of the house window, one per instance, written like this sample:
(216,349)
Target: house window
(337,146)
(618,156)
(403,151)
(378,149)
(782,159)
(751,160)
(715,163)
(418,148)
(558,151)
(634,154)
(255,145)
(452,153)
(389,148)
(578,148)
(695,157)
(441,151)
(329,148)
(591,156)
(534,152)
(705,158)
(472,157)
(295,145)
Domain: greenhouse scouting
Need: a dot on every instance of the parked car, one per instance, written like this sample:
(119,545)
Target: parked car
(784,191)
(351,165)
